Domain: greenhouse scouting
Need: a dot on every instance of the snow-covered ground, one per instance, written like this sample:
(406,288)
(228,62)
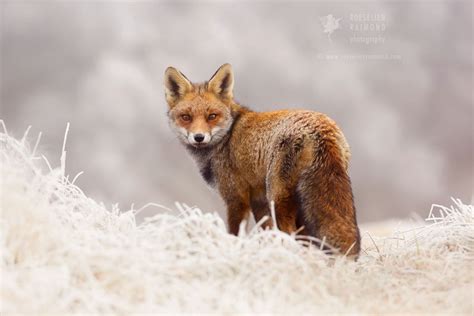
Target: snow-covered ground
(63,252)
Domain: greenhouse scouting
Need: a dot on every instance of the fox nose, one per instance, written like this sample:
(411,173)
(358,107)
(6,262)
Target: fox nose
(199,137)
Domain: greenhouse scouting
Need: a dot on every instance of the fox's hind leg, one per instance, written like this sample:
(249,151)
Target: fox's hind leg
(282,179)
(285,205)
(260,208)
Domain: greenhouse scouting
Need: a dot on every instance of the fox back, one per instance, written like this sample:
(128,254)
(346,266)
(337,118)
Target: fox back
(296,159)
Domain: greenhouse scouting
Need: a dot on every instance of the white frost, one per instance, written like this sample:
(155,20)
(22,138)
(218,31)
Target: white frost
(63,252)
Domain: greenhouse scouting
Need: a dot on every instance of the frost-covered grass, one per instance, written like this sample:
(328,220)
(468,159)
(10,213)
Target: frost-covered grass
(63,252)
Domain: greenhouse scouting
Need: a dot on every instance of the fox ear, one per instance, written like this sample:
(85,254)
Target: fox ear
(176,85)
(222,82)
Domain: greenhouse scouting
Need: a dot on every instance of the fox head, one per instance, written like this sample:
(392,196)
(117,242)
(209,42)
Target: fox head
(200,114)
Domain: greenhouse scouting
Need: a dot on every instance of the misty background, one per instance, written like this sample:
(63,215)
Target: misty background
(405,102)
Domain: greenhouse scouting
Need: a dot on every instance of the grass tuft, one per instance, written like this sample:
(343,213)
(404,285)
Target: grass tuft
(63,252)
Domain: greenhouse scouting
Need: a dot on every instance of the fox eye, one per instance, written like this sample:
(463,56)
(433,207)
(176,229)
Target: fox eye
(212,117)
(186,117)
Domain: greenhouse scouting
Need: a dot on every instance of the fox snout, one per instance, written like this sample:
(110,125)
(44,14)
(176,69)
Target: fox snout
(199,139)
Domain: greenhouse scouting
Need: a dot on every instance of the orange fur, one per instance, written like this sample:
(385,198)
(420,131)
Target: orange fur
(296,158)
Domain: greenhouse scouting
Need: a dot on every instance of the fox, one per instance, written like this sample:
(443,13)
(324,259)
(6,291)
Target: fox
(295,160)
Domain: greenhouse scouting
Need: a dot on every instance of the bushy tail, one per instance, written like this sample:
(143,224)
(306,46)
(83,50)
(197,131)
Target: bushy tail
(326,204)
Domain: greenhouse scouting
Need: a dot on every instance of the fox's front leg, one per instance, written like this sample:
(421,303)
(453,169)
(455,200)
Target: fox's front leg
(238,204)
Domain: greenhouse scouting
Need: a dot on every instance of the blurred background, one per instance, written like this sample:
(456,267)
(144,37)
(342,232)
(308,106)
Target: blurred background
(396,76)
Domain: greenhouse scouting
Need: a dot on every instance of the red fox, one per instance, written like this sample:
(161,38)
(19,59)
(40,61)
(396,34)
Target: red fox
(297,159)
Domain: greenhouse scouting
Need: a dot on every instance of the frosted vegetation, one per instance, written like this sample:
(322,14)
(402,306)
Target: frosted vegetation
(64,252)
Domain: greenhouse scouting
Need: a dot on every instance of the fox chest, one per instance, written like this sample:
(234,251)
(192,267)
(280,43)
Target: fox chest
(221,172)
(208,173)
(219,176)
